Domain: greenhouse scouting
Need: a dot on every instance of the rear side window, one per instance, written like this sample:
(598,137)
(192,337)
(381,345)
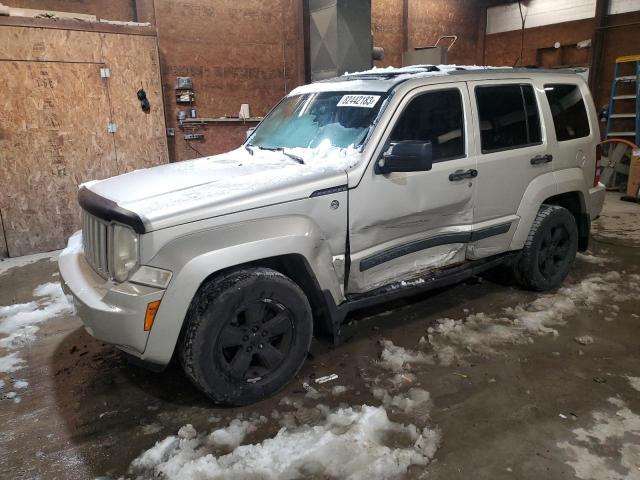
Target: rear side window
(435,117)
(568,110)
(509,117)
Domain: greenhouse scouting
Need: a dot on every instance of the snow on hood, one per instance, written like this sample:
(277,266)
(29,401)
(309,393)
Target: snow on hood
(157,194)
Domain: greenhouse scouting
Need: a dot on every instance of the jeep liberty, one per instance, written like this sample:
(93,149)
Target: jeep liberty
(351,191)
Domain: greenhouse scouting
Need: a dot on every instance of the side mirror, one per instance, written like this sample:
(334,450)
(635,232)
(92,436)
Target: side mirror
(406,156)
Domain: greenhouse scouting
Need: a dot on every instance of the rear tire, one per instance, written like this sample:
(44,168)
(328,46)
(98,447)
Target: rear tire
(549,250)
(247,335)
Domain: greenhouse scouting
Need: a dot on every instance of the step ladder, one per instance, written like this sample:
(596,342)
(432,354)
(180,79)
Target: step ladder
(629,100)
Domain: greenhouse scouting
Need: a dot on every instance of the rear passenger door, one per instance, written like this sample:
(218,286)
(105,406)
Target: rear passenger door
(511,150)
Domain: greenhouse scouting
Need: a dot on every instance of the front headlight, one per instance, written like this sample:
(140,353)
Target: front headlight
(125,252)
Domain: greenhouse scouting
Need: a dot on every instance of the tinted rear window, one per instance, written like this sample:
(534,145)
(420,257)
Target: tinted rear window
(568,110)
(508,117)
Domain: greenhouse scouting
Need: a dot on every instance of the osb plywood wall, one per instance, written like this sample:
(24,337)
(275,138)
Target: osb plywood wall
(111,10)
(427,20)
(236,52)
(53,124)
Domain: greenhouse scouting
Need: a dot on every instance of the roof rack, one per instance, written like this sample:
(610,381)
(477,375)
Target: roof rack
(393,73)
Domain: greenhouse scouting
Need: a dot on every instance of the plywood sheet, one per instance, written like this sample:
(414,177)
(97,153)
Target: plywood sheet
(388,30)
(141,139)
(53,137)
(111,10)
(44,44)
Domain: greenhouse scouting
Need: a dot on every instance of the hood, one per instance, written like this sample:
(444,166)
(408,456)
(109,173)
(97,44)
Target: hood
(191,190)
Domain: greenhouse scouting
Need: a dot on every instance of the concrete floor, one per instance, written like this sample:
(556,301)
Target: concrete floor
(548,408)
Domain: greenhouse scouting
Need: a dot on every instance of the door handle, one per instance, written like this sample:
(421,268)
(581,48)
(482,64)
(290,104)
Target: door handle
(461,174)
(539,159)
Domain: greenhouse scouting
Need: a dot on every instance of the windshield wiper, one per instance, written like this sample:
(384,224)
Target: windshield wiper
(298,159)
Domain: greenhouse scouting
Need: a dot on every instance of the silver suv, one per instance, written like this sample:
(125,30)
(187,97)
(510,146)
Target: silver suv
(351,192)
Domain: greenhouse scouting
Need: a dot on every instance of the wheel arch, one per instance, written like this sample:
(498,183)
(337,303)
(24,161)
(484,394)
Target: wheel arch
(574,201)
(306,259)
(563,188)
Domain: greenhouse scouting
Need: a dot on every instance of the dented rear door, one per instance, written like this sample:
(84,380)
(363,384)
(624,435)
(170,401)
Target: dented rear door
(404,224)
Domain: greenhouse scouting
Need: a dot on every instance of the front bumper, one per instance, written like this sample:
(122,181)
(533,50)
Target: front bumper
(111,312)
(596,200)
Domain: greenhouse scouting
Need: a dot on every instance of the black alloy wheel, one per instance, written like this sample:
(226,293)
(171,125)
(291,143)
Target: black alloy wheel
(253,343)
(246,336)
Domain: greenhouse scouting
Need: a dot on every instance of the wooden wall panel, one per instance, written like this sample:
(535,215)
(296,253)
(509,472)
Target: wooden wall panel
(43,44)
(236,52)
(388,30)
(53,123)
(430,19)
(109,10)
(141,139)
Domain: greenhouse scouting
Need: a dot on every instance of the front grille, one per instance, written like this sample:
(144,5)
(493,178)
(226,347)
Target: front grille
(95,243)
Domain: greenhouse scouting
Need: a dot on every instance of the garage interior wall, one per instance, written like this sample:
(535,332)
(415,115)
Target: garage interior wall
(426,21)
(236,52)
(567,23)
(55,116)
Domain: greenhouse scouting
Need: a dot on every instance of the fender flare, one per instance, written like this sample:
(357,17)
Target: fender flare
(192,262)
(543,187)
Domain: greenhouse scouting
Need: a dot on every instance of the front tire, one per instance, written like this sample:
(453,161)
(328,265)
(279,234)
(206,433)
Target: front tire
(549,251)
(247,335)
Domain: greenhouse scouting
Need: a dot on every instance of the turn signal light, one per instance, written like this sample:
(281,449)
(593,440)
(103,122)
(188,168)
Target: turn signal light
(150,315)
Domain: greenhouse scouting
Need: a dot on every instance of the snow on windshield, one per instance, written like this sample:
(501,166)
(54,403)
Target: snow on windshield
(336,119)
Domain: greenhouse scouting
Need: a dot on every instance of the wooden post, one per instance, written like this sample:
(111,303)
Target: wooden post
(599,22)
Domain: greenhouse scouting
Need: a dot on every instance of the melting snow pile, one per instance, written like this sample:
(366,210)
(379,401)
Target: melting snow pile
(613,432)
(397,359)
(19,323)
(481,333)
(355,443)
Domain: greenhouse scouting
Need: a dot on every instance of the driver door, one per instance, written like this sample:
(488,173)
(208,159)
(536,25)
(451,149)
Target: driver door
(403,224)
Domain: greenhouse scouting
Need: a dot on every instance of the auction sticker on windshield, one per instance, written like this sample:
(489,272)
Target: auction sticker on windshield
(364,101)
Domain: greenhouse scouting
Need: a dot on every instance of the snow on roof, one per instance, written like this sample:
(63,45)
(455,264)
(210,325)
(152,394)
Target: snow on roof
(383,79)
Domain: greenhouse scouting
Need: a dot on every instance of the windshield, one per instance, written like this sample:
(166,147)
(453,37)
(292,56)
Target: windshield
(326,119)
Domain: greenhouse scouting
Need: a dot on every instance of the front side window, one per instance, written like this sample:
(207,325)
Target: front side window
(325,119)
(509,117)
(568,110)
(435,117)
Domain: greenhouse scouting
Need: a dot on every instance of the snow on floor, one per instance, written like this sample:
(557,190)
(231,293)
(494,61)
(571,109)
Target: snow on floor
(481,333)
(353,442)
(591,258)
(19,322)
(634,382)
(11,363)
(397,359)
(10,263)
(615,431)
